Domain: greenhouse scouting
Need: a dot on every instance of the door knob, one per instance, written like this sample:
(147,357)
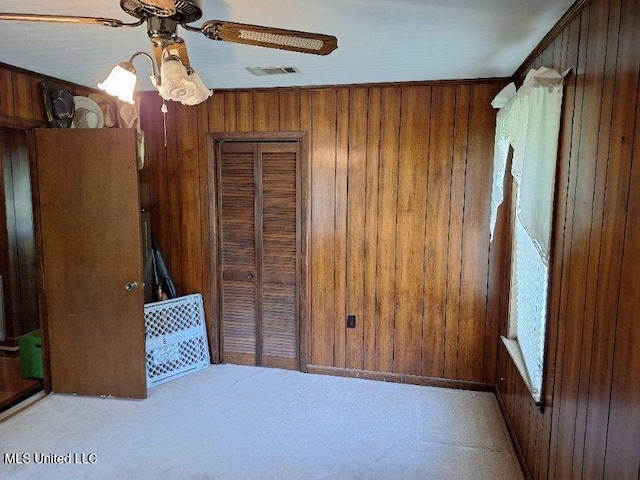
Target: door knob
(249,276)
(131,286)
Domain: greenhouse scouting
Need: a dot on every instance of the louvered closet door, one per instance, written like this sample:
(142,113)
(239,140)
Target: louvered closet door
(258,218)
(237,192)
(279,262)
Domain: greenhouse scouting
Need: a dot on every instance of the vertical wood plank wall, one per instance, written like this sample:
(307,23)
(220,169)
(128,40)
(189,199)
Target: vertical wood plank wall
(21,95)
(591,427)
(399,208)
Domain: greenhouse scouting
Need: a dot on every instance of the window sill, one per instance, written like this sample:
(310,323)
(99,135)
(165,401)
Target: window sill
(516,355)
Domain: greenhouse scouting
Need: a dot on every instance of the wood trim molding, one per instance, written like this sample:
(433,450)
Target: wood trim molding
(573,11)
(213,320)
(257,136)
(416,83)
(42,294)
(514,438)
(401,378)
(10,121)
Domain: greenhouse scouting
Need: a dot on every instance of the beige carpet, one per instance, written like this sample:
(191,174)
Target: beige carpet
(235,422)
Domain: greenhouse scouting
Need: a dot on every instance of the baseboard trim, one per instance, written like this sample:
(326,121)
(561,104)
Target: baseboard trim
(514,439)
(401,378)
(23,405)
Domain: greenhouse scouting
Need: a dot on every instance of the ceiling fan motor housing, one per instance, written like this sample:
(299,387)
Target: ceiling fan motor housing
(186,10)
(161,28)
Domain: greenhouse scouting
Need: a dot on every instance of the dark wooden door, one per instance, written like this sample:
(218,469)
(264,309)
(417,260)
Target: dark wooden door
(88,215)
(259,237)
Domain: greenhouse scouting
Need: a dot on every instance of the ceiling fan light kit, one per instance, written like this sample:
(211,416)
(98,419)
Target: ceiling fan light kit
(121,82)
(177,80)
(178,84)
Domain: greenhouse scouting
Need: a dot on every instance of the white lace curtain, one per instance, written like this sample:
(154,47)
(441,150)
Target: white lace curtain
(529,121)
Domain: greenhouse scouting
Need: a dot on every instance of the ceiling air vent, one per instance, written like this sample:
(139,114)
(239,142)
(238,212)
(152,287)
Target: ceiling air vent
(260,71)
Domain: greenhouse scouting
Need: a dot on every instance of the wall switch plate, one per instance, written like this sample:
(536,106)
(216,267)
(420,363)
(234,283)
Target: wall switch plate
(351,321)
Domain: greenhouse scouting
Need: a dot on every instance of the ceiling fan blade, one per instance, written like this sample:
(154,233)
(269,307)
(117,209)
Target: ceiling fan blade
(157,52)
(160,8)
(176,46)
(32,17)
(304,42)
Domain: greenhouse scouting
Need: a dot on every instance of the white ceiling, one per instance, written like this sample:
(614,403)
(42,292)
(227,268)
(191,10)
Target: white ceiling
(378,40)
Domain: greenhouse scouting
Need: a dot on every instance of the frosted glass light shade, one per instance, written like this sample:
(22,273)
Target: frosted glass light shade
(121,82)
(175,82)
(200,94)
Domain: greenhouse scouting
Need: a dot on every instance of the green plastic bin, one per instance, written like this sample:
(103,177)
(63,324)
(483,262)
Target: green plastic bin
(31,354)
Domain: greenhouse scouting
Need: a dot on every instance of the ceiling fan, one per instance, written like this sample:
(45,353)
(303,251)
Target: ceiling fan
(164,16)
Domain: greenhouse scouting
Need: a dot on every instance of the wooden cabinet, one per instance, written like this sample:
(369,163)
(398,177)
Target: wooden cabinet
(88,242)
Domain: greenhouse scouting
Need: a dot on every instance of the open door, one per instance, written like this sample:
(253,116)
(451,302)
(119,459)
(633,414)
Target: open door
(88,234)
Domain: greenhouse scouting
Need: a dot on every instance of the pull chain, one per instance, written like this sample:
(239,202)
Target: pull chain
(164,111)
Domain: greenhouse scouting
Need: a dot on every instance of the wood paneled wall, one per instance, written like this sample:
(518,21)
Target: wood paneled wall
(591,426)
(399,209)
(21,100)
(20,94)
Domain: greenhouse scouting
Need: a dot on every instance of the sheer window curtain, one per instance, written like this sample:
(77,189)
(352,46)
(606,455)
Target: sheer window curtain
(529,121)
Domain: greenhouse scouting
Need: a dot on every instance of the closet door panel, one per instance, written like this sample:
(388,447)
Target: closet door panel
(279,259)
(236,182)
(279,336)
(239,333)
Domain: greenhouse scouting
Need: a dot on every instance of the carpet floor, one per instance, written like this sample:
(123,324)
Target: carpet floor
(237,422)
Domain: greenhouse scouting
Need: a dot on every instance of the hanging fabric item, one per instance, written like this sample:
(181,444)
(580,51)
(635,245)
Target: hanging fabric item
(529,121)
(502,143)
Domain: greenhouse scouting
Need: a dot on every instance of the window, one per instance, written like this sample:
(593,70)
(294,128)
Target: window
(528,121)
(527,308)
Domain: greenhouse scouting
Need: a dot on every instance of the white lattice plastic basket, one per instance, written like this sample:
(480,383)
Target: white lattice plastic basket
(176,338)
